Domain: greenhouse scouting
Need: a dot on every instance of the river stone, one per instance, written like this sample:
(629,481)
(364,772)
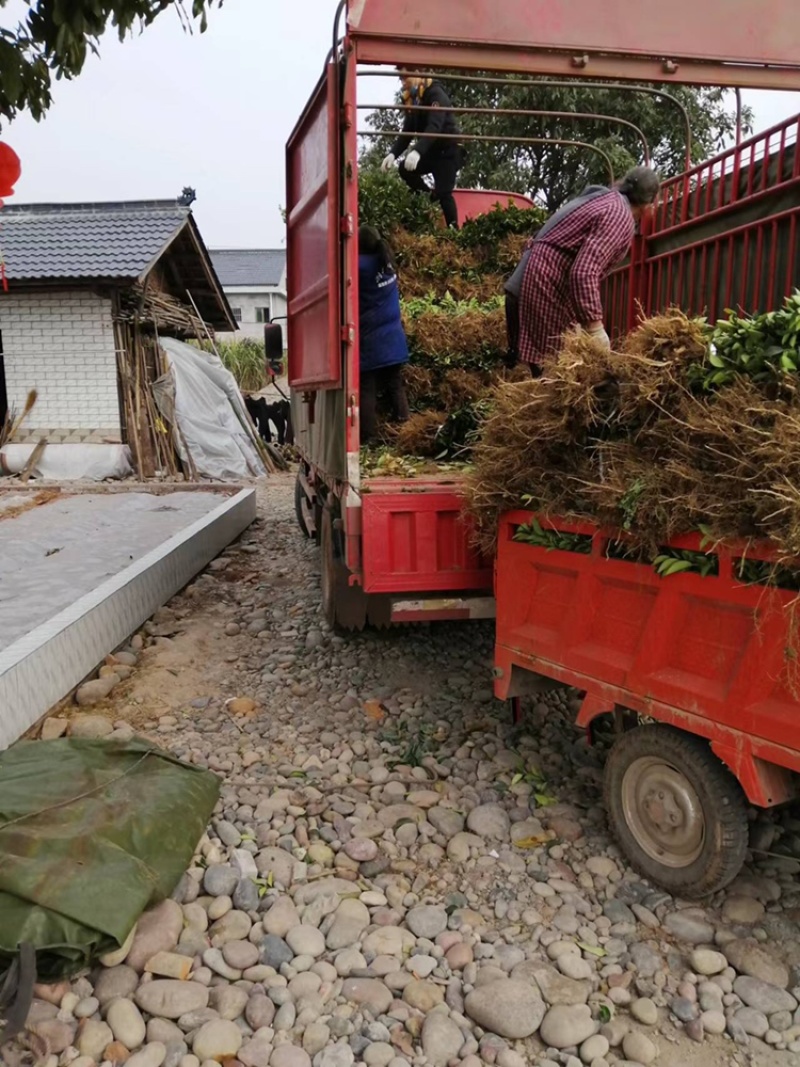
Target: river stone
(361,849)
(290,1056)
(707,962)
(639,1048)
(441,1039)
(751,958)
(508,1007)
(645,1011)
(446,821)
(152,1055)
(233,926)
(218,1040)
(281,917)
(93,1039)
(164,1030)
(260,1011)
(117,956)
(689,928)
(96,691)
(422,995)
(240,954)
(387,941)
(278,863)
(742,910)
(171,999)
(714,1022)
(755,1023)
(220,880)
(489,820)
(118,981)
(555,988)
(127,1023)
(427,921)
(564,1026)
(228,1001)
(158,930)
(350,920)
(275,952)
(306,941)
(369,992)
(762,996)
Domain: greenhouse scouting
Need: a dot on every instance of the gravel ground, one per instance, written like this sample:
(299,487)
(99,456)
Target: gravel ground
(395,875)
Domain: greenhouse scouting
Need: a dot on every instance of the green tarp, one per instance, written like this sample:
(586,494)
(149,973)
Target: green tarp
(92,833)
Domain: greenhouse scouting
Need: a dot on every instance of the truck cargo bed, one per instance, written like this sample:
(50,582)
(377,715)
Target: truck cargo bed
(417,538)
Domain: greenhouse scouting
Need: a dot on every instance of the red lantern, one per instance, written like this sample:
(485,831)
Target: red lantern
(10,169)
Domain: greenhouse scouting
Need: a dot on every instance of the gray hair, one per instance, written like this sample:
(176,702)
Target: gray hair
(640,185)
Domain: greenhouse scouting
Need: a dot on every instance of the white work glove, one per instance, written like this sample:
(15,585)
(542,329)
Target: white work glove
(412,160)
(388,163)
(600,335)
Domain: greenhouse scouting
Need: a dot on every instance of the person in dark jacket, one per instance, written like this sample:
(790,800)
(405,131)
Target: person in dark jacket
(383,348)
(442,157)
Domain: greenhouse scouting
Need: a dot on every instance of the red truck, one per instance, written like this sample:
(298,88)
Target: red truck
(708,661)
(398,550)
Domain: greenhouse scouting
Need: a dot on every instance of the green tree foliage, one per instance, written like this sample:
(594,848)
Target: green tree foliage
(56,36)
(552,173)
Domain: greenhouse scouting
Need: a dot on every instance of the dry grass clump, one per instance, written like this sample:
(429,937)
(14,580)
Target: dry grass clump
(417,436)
(619,437)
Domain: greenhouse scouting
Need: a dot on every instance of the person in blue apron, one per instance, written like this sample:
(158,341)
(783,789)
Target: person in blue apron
(383,348)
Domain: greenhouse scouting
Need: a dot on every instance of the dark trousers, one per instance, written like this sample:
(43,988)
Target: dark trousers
(444,171)
(512,328)
(386,381)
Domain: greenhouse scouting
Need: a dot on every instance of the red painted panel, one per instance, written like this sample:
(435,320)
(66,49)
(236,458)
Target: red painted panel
(312,260)
(718,30)
(706,654)
(415,542)
(474,202)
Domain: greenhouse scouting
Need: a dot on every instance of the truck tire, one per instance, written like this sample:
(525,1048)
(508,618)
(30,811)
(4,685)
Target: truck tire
(343,605)
(679,815)
(300,499)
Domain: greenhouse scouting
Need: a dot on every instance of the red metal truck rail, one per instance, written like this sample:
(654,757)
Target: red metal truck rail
(705,658)
(725,235)
(416,537)
(706,654)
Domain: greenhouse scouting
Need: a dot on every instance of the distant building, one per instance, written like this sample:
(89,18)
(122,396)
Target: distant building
(84,282)
(254,281)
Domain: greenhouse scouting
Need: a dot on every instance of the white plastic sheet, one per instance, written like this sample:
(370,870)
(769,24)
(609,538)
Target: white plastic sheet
(67,463)
(213,431)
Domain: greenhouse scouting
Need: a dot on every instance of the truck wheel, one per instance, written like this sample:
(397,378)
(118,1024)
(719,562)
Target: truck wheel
(679,815)
(300,499)
(344,605)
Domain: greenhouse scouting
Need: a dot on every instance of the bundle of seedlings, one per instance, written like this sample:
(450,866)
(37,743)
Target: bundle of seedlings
(683,428)
(451,286)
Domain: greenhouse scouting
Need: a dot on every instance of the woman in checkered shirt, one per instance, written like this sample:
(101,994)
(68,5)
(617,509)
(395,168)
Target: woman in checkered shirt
(566,265)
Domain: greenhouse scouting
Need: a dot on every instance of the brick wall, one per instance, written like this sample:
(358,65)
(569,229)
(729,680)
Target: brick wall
(61,344)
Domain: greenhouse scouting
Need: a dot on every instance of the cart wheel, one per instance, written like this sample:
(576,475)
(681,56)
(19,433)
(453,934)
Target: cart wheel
(679,815)
(344,605)
(300,499)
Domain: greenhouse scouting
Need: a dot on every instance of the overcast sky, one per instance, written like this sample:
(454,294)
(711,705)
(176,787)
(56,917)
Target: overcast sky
(212,111)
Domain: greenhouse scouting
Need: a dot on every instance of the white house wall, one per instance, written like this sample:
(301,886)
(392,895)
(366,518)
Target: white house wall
(62,344)
(247,301)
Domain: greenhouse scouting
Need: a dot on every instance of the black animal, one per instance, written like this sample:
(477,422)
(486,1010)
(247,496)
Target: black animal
(278,413)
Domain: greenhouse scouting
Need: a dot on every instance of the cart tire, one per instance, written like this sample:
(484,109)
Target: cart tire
(299,499)
(343,605)
(679,815)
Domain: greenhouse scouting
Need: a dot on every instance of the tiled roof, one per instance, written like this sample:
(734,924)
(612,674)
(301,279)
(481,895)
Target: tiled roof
(113,240)
(249,266)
